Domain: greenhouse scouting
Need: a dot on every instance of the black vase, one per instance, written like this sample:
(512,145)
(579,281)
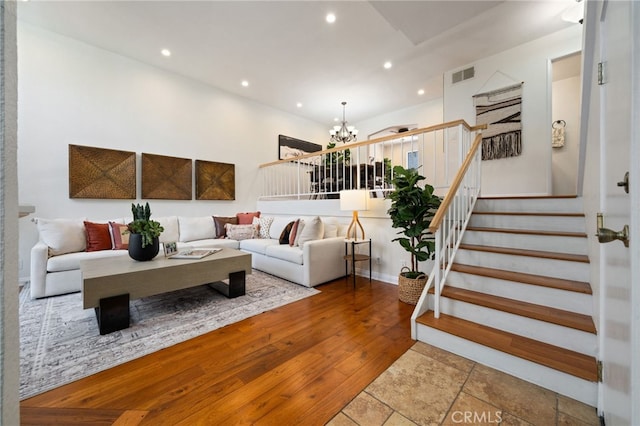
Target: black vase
(136,251)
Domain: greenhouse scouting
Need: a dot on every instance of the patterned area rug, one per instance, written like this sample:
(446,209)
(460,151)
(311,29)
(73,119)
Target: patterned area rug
(60,341)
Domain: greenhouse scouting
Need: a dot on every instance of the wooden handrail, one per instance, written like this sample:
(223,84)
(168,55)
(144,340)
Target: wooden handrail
(378,140)
(444,206)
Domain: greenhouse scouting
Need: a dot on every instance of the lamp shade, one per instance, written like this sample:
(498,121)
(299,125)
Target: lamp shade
(354,199)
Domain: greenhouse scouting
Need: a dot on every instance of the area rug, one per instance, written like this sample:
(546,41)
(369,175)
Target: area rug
(60,341)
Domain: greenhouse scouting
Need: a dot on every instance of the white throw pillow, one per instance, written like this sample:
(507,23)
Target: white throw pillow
(196,228)
(241,232)
(264,225)
(63,235)
(171,231)
(330,227)
(313,230)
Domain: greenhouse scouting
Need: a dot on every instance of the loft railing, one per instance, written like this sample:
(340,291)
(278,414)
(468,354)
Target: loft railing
(438,151)
(448,225)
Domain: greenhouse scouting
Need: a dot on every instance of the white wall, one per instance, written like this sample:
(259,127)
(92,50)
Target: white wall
(529,173)
(566,106)
(73,93)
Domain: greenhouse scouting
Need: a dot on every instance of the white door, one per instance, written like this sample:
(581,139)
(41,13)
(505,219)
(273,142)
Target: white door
(617,24)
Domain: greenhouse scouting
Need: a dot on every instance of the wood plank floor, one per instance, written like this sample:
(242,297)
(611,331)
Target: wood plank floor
(298,364)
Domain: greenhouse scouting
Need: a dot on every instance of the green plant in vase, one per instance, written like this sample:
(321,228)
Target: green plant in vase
(143,225)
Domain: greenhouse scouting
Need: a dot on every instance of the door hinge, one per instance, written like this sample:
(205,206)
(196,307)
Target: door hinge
(601,70)
(599,363)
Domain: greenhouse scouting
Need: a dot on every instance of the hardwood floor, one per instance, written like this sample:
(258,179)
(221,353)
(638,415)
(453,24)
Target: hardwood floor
(298,364)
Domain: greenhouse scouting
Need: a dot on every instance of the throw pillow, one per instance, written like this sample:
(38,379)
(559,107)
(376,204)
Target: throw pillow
(120,234)
(264,224)
(294,230)
(241,232)
(62,235)
(284,236)
(298,233)
(246,218)
(98,237)
(313,230)
(220,222)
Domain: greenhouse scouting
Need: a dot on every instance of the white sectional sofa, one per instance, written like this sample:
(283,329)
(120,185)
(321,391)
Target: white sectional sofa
(316,258)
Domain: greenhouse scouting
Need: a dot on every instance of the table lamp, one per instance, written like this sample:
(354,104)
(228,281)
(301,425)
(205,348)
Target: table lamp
(354,200)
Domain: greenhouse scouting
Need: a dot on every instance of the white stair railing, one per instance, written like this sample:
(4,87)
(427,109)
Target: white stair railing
(437,150)
(448,225)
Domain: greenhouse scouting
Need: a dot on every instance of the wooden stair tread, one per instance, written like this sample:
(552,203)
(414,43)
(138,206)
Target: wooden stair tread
(509,213)
(531,253)
(570,362)
(528,232)
(539,280)
(517,307)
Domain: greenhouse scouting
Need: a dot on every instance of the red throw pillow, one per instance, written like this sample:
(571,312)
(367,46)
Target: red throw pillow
(294,232)
(120,235)
(246,218)
(98,237)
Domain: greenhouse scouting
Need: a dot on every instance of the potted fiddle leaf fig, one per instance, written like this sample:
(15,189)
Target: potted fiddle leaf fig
(413,205)
(144,233)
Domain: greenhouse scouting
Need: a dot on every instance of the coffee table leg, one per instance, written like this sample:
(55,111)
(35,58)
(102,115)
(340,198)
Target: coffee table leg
(113,313)
(236,287)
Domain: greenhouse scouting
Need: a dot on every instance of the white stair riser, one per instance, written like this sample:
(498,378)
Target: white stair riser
(533,223)
(553,334)
(532,205)
(568,270)
(557,381)
(560,244)
(555,298)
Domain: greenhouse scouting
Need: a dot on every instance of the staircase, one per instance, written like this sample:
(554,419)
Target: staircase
(518,297)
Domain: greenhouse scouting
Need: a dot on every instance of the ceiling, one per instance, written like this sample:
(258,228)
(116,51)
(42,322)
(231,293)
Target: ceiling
(289,54)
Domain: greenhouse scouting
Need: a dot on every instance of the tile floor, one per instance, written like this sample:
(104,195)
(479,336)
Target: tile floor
(429,386)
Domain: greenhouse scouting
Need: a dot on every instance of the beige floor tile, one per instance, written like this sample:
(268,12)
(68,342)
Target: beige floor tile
(468,410)
(341,420)
(418,387)
(579,410)
(509,419)
(522,399)
(452,360)
(366,410)
(398,419)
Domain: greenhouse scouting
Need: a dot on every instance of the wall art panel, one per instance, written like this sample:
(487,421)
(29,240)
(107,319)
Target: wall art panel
(166,178)
(101,173)
(215,181)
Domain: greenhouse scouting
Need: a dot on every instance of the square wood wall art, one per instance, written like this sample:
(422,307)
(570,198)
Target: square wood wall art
(166,178)
(101,173)
(215,181)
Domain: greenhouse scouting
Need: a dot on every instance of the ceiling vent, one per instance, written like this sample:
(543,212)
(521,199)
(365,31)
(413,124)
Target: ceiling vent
(462,75)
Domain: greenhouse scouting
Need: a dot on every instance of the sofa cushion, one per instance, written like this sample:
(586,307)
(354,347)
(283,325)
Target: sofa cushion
(241,232)
(171,231)
(71,261)
(330,227)
(278,225)
(264,224)
(313,230)
(62,235)
(285,252)
(258,245)
(220,222)
(98,236)
(246,218)
(196,228)
(120,236)
(208,243)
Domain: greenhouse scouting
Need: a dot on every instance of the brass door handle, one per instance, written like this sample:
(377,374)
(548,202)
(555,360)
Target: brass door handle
(606,235)
(625,182)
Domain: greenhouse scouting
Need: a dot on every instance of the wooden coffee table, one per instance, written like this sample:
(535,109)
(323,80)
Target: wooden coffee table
(109,283)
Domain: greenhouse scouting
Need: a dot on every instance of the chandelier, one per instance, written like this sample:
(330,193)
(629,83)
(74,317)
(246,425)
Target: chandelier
(343,133)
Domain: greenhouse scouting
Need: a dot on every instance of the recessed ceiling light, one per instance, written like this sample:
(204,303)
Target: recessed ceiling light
(387,65)
(245,83)
(165,52)
(331,18)
(299,104)
(421,92)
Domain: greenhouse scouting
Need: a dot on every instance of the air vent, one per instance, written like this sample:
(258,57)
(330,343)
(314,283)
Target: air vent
(462,75)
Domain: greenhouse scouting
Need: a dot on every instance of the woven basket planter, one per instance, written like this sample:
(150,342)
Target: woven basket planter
(409,290)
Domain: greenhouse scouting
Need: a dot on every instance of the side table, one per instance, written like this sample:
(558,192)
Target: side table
(350,256)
